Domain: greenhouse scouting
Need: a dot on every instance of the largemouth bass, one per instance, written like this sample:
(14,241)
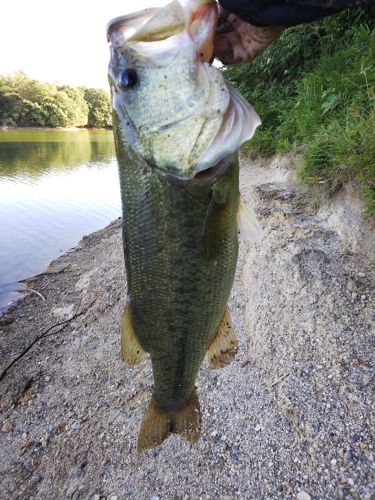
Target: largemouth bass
(177,128)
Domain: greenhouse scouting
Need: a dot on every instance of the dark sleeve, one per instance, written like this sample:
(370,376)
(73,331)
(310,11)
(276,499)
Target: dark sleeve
(288,13)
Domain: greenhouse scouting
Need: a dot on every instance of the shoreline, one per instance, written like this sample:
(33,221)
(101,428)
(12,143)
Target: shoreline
(16,302)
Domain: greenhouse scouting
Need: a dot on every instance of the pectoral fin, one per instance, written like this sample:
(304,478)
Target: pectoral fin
(214,231)
(131,350)
(248,227)
(224,345)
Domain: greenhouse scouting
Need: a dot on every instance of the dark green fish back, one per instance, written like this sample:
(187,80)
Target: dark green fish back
(180,245)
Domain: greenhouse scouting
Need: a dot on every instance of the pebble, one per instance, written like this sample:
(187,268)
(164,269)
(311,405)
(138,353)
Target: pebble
(302,495)
(44,441)
(362,275)
(348,456)
(5,320)
(367,378)
(62,427)
(339,494)
(63,313)
(7,426)
(24,443)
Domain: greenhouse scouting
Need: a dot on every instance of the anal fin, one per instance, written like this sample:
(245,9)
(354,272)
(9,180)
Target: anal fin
(158,424)
(224,345)
(131,350)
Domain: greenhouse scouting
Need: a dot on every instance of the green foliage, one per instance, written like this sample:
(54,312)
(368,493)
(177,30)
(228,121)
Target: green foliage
(315,86)
(78,114)
(344,151)
(28,103)
(100,110)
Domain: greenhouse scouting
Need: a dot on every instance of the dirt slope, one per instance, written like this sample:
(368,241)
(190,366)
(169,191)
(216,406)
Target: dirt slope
(292,417)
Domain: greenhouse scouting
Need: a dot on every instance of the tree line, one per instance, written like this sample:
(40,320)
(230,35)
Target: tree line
(25,102)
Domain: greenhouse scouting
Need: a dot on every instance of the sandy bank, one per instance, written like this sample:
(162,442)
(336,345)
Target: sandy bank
(292,417)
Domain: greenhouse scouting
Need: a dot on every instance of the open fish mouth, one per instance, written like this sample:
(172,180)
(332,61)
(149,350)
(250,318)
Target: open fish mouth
(196,18)
(211,173)
(184,117)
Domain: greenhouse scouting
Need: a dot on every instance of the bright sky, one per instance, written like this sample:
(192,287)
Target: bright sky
(61,41)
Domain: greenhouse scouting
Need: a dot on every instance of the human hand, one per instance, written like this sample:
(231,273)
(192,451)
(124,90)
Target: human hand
(239,42)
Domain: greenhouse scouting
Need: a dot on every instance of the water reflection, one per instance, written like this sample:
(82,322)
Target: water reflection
(34,152)
(55,186)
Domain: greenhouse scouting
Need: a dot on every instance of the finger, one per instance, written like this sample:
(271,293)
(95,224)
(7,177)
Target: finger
(223,50)
(223,28)
(229,49)
(243,54)
(243,45)
(222,13)
(235,21)
(259,36)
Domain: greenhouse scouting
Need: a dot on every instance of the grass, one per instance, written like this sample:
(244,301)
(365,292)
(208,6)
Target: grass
(315,86)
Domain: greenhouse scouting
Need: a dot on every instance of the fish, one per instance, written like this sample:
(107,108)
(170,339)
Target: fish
(177,127)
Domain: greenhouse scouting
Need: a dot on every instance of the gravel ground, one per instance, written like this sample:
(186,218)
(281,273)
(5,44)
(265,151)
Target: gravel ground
(292,417)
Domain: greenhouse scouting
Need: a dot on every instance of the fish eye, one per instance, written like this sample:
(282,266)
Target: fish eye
(128,79)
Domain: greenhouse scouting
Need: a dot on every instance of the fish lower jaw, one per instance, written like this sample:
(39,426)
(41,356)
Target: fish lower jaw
(209,173)
(200,172)
(183,177)
(202,176)
(173,173)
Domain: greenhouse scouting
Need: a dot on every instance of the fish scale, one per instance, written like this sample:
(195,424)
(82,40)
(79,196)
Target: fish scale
(177,293)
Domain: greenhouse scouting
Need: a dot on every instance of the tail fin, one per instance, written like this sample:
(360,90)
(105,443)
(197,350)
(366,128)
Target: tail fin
(158,424)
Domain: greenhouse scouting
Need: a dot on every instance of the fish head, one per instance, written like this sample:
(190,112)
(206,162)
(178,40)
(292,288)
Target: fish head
(173,108)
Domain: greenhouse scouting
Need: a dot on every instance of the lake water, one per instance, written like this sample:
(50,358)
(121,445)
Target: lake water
(55,186)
